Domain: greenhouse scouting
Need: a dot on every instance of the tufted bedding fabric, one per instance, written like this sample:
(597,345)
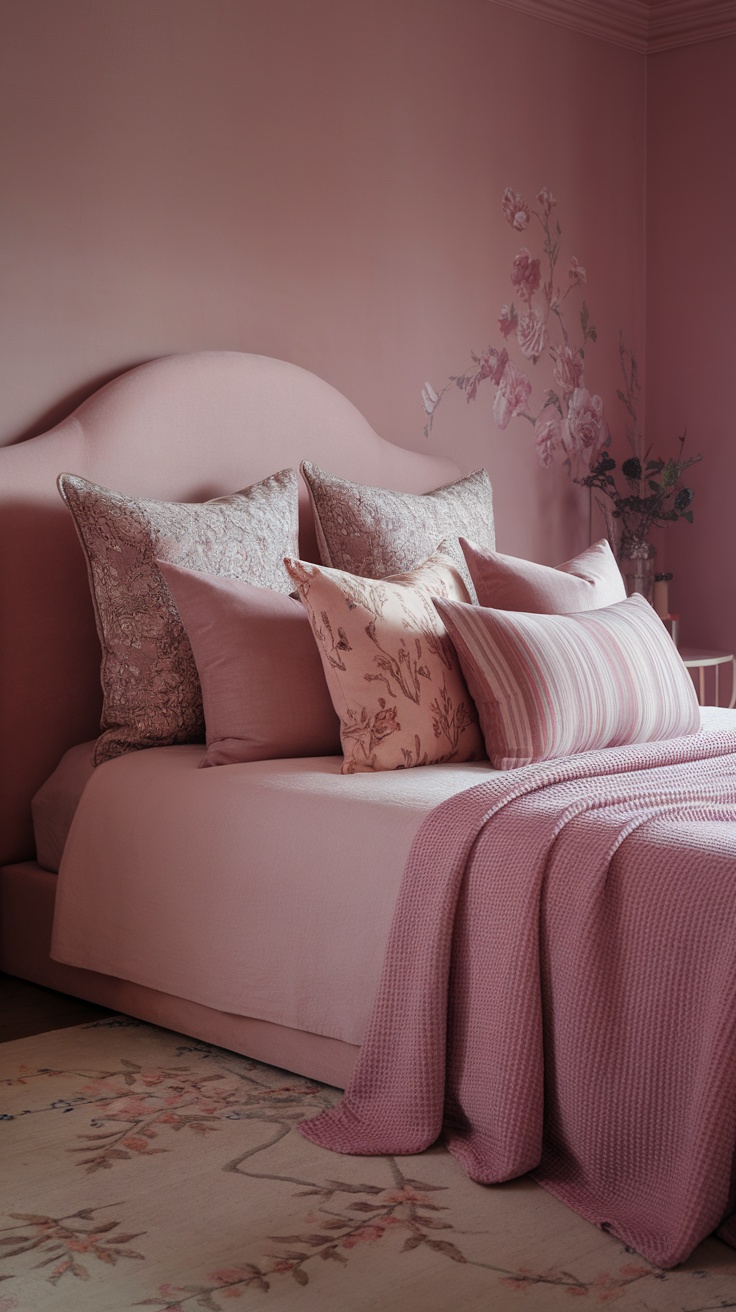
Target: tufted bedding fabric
(559,991)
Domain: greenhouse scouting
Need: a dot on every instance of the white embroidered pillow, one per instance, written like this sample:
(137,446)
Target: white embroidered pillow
(374,532)
(151,691)
(390,667)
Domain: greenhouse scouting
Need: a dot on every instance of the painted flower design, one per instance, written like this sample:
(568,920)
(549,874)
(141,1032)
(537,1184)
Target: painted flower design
(526,274)
(548,435)
(585,421)
(513,394)
(569,423)
(546,201)
(429,398)
(532,335)
(507,320)
(568,370)
(491,365)
(515,209)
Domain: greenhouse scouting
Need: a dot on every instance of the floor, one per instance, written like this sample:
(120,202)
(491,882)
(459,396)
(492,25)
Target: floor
(28,1009)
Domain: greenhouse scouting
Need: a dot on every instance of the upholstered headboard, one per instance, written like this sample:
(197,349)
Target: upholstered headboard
(183,428)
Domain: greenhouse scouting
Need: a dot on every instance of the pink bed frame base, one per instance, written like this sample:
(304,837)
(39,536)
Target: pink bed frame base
(27,896)
(182,428)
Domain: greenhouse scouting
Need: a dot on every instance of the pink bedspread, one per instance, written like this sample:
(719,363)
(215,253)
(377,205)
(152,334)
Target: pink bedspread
(559,991)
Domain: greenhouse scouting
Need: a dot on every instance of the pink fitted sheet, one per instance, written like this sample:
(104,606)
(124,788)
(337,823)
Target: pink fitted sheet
(54,806)
(264,889)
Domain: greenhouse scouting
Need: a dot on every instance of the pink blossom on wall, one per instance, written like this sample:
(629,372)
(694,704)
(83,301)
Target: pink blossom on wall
(585,421)
(531,334)
(568,370)
(507,320)
(513,394)
(526,274)
(515,209)
(548,434)
(569,423)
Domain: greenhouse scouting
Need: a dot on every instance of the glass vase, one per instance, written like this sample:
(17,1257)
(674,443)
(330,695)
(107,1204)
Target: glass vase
(637,562)
(635,557)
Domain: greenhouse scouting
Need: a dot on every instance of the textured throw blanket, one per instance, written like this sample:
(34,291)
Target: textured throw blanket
(559,991)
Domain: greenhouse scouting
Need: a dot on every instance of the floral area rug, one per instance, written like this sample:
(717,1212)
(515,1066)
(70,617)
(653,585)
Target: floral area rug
(141,1169)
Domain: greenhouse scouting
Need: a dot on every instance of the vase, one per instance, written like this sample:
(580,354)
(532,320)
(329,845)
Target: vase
(636,560)
(635,557)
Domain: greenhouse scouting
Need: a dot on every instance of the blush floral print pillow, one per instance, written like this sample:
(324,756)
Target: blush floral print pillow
(391,669)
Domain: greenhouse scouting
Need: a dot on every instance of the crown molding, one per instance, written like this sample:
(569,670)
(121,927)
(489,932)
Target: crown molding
(644,25)
(686,22)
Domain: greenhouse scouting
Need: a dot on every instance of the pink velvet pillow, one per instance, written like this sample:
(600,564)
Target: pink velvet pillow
(374,532)
(263,689)
(552,685)
(151,693)
(591,580)
(391,669)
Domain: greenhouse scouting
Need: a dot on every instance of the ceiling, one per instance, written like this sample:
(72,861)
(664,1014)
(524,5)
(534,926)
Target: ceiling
(645,25)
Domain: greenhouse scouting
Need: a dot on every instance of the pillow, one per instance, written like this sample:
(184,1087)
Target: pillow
(391,669)
(373,532)
(263,689)
(551,685)
(151,693)
(591,580)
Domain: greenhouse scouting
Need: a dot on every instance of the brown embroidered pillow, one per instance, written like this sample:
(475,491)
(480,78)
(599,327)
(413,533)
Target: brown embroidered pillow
(151,691)
(373,532)
(391,669)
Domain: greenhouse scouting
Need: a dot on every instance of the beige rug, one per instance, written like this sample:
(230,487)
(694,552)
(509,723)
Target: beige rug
(143,1169)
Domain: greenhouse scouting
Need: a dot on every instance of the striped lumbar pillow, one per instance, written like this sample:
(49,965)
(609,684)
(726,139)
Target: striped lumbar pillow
(551,685)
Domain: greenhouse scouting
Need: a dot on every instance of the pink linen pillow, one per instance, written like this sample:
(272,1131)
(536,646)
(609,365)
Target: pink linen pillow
(552,685)
(590,580)
(263,689)
(390,667)
(151,693)
(374,532)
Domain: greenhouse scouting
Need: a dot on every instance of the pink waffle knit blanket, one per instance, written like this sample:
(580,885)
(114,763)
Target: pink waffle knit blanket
(559,991)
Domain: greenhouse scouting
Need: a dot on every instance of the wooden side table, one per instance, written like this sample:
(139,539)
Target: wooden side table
(696,659)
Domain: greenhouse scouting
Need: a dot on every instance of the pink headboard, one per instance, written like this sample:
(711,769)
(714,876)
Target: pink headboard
(183,428)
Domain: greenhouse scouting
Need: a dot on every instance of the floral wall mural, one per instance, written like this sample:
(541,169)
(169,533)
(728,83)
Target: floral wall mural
(567,420)
(570,424)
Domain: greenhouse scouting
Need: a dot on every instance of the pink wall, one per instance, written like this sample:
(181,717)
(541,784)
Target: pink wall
(319,182)
(691,304)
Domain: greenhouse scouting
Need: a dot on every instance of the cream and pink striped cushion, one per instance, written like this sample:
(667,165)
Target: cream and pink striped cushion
(552,685)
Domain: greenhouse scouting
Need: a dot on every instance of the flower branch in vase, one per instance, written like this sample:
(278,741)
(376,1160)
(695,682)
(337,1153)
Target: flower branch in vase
(652,495)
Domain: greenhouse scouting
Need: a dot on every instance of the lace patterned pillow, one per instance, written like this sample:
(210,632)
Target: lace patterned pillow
(374,532)
(151,691)
(391,669)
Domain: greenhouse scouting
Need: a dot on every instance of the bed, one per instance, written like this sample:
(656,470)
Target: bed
(360,928)
(182,428)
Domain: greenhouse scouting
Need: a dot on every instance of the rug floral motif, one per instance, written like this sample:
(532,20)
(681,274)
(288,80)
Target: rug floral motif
(143,1169)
